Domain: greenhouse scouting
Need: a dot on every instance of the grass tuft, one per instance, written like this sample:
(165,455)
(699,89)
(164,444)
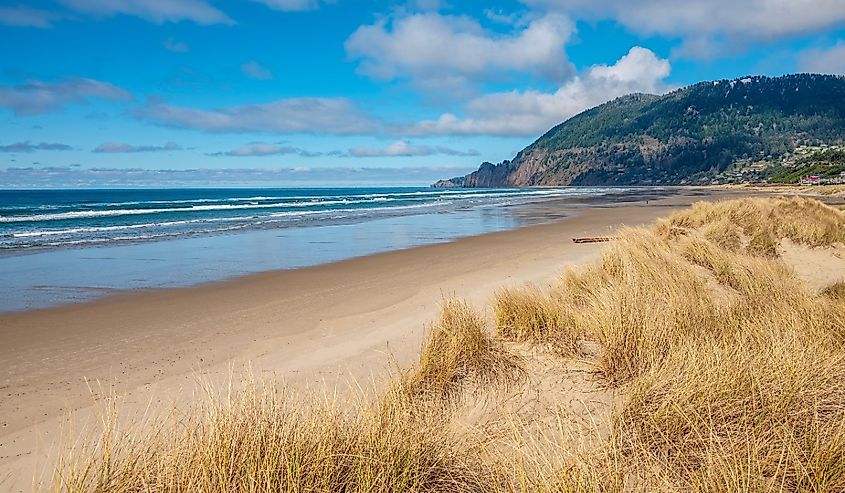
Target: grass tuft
(459,348)
(528,315)
(763,243)
(261,439)
(835,291)
(799,219)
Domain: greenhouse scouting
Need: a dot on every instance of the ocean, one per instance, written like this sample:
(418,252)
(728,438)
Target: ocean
(61,218)
(64,246)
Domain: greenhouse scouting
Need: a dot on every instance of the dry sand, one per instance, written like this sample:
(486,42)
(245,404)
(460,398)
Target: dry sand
(319,325)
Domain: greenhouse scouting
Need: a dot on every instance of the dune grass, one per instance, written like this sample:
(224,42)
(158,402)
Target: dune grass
(802,220)
(732,372)
(526,314)
(456,349)
(260,440)
(263,438)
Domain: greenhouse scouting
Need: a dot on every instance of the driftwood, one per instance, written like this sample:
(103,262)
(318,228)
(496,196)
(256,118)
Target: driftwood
(593,239)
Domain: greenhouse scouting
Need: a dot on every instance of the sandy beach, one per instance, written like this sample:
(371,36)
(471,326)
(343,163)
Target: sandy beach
(317,325)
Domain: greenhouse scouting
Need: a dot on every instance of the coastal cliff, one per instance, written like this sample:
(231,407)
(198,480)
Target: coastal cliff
(691,135)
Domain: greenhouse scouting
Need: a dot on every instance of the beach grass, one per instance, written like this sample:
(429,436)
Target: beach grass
(457,348)
(730,372)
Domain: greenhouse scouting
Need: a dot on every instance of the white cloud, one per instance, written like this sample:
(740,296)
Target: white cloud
(120,147)
(26,146)
(335,116)
(530,113)
(824,61)
(171,44)
(253,70)
(78,176)
(439,51)
(156,11)
(700,21)
(36,97)
(24,16)
(260,149)
(514,113)
(405,149)
(291,5)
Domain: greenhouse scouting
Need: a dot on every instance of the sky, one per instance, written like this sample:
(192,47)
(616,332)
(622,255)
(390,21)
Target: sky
(327,92)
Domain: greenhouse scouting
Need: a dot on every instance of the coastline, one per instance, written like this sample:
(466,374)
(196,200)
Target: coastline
(310,326)
(96,266)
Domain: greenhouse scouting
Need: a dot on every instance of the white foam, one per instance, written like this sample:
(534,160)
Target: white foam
(378,204)
(295,202)
(59,216)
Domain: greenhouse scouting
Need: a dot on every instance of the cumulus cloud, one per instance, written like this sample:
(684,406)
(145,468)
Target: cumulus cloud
(405,149)
(156,11)
(513,113)
(35,97)
(824,61)
(24,16)
(171,44)
(121,147)
(529,113)
(258,149)
(701,22)
(27,146)
(336,116)
(439,51)
(255,71)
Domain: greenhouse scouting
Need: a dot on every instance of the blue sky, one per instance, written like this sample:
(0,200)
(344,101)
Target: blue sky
(110,92)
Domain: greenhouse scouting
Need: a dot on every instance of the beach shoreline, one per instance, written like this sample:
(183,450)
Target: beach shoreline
(312,326)
(99,260)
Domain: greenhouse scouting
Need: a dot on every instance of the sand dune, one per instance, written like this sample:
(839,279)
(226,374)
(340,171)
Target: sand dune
(309,326)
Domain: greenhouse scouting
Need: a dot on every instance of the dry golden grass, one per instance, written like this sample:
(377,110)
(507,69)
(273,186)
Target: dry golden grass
(732,371)
(808,190)
(529,315)
(749,413)
(800,219)
(459,348)
(836,291)
(828,189)
(261,439)
(740,388)
(723,234)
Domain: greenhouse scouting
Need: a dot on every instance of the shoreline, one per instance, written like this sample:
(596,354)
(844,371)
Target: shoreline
(53,276)
(308,326)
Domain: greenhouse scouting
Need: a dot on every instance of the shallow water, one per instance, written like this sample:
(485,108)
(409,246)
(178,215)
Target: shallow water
(60,218)
(37,276)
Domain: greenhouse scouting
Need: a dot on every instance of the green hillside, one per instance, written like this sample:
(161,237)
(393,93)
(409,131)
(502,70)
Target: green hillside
(690,135)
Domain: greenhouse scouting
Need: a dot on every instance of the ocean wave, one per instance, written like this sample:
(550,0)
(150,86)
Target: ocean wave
(362,199)
(27,230)
(122,227)
(379,196)
(265,221)
(88,241)
(87,214)
(363,211)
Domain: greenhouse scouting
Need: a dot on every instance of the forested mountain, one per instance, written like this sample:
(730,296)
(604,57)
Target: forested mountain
(690,135)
